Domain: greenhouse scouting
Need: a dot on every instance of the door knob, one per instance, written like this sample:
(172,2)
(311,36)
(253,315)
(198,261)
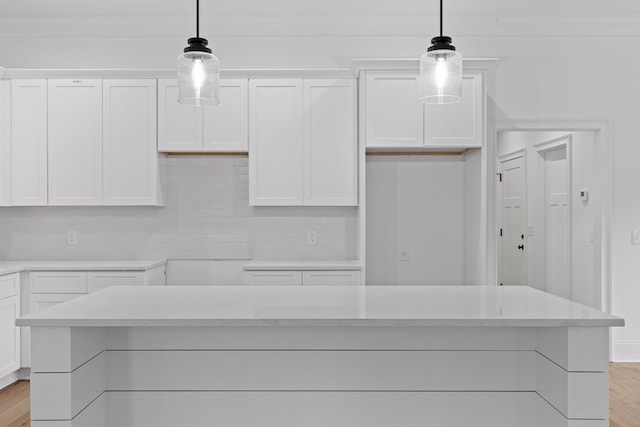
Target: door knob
(521,247)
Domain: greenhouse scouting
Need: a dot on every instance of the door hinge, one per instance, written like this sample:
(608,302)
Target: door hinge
(499,176)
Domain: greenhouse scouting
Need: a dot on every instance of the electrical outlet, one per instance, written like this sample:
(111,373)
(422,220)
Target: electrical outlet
(404,255)
(312,237)
(72,237)
(635,237)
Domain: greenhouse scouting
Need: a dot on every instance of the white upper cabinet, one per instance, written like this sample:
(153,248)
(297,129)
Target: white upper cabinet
(330,158)
(75,142)
(29,142)
(393,111)
(459,124)
(187,128)
(226,125)
(302,149)
(179,125)
(130,159)
(276,139)
(395,117)
(5,142)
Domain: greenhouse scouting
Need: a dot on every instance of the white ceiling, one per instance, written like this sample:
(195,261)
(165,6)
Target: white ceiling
(125,19)
(9,8)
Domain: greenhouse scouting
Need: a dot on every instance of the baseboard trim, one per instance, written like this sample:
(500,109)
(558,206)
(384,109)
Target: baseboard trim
(9,379)
(626,351)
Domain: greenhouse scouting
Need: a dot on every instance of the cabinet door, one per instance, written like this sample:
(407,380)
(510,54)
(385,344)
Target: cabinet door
(276,141)
(330,158)
(393,111)
(5,142)
(9,285)
(29,142)
(9,335)
(104,279)
(179,125)
(226,126)
(330,278)
(273,278)
(130,158)
(458,125)
(75,142)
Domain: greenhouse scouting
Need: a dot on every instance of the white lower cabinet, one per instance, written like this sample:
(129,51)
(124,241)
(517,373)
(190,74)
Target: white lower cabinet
(49,288)
(330,278)
(9,332)
(297,278)
(273,278)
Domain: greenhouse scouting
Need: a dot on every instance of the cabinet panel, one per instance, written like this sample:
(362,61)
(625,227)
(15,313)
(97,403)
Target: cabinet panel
(330,143)
(393,111)
(5,143)
(276,143)
(179,125)
(101,280)
(458,125)
(75,142)
(330,278)
(29,142)
(58,282)
(130,159)
(9,335)
(9,285)
(273,278)
(226,126)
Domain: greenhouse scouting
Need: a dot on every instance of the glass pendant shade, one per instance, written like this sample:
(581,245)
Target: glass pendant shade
(198,75)
(441,76)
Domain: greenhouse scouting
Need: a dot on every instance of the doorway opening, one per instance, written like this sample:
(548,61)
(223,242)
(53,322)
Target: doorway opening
(550,198)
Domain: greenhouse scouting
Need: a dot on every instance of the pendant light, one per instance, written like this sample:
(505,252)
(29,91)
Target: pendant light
(441,71)
(198,71)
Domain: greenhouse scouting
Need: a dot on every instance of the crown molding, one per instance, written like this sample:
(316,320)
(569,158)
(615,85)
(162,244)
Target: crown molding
(16,73)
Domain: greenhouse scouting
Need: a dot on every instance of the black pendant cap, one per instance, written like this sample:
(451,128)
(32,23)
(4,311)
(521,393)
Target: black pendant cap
(197,44)
(441,43)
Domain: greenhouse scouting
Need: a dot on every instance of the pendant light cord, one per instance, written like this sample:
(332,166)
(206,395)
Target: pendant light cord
(198,18)
(440,18)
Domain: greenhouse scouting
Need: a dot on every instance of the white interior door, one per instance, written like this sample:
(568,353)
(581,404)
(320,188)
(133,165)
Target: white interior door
(513,266)
(557,222)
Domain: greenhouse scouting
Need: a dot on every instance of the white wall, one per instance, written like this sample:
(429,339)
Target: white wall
(584,287)
(588,77)
(415,204)
(207,216)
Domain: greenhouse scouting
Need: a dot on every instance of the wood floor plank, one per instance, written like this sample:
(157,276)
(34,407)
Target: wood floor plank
(624,400)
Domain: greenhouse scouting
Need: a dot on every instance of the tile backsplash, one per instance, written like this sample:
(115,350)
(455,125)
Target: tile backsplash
(206,216)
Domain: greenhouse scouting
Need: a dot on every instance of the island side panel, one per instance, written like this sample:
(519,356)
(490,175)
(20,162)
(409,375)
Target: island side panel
(572,379)
(68,377)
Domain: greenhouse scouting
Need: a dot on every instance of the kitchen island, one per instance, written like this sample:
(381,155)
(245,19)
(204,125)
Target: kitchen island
(379,356)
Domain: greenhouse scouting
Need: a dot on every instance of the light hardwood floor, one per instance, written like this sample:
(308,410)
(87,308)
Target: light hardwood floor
(624,401)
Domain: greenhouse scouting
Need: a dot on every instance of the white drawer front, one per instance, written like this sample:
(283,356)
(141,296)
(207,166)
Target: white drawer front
(273,278)
(330,278)
(58,282)
(101,280)
(9,285)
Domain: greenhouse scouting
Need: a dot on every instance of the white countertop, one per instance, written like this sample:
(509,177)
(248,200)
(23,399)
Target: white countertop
(303,265)
(8,267)
(319,306)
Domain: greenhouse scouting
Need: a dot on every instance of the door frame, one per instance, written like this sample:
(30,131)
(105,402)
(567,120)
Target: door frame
(602,131)
(520,152)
